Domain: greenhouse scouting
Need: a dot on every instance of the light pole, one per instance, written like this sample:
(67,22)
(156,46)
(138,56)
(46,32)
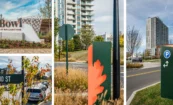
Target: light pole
(116,51)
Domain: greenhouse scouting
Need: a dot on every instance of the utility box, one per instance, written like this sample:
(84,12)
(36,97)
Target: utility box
(167,72)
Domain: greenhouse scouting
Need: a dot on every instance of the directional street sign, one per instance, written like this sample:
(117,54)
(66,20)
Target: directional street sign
(12,78)
(66,33)
(166,72)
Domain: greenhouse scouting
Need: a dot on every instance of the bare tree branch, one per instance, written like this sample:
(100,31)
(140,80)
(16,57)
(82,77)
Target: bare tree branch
(133,40)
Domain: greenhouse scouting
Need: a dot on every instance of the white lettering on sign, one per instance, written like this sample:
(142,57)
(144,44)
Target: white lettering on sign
(1,79)
(7,78)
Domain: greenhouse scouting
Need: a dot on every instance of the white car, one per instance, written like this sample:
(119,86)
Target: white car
(36,94)
(42,86)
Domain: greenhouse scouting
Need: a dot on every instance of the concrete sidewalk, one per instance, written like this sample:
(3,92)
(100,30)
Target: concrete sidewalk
(151,64)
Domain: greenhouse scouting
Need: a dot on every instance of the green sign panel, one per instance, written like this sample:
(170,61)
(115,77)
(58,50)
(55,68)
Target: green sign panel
(167,72)
(66,31)
(102,52)
(12,78)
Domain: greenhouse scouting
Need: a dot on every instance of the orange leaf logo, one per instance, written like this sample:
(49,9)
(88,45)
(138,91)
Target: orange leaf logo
(95,78)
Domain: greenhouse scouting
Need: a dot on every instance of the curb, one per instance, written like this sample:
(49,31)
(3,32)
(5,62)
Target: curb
(134,93)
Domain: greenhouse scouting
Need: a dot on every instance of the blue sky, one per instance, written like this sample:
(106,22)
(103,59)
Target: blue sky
(139,10)
(13,9)
(103,16)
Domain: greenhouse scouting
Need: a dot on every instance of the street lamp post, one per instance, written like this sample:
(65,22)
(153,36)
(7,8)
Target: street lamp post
(116,51)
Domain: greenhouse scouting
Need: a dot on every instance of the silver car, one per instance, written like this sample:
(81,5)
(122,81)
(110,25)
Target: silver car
(36,94)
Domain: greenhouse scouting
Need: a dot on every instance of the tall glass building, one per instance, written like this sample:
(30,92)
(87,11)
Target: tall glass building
(156,34)
(75,12)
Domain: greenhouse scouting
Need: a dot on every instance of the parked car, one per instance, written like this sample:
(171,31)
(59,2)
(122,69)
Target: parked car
(36,94)
(43,87)
(46,84)
(137,59)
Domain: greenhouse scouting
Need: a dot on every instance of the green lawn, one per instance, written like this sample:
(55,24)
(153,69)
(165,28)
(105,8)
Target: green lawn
(83,55)
(152,60)
(150,96)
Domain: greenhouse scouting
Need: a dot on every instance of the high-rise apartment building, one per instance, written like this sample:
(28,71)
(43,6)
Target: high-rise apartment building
(156,34)
(74,12)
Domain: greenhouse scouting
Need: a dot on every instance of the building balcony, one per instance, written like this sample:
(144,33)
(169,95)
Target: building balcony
(71,8)
(87,19)
(86,4)
(87,9)
(71,2)
(71,13)
(70,22)
(87,14)
(70,18)
(90,24)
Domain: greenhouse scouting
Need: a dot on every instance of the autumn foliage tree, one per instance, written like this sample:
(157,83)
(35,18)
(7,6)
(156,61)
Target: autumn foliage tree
(87,34)
(122,40)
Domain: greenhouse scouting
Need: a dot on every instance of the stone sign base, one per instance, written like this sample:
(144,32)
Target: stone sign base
(12,36)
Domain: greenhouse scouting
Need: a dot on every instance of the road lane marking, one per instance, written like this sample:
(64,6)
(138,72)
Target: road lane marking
(142,73)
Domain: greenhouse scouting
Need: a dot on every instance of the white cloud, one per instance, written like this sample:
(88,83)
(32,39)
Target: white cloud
(103,16)
(104,19)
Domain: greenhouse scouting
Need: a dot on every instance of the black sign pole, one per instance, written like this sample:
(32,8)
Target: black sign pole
(59,50)
(66,38)
(23,74)
(116,51)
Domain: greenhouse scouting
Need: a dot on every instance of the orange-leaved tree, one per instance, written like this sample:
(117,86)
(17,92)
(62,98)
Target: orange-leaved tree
(95,78)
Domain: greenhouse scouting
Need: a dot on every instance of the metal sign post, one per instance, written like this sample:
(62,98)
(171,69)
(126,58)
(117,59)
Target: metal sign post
(23,74)
(66,33)
(66,38)
(116,52)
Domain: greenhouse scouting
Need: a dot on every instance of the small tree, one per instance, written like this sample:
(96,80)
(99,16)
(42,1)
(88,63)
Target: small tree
(13,92)
(99,39)
(77,43)
(56,30)
(1,91)
(87,34)
(71,45)
(122,40)
(46,11)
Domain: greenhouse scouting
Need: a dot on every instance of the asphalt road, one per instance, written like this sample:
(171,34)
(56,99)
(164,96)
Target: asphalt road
(84,66)
(140,78)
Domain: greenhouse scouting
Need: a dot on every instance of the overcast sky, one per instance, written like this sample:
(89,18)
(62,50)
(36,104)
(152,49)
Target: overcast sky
(103,16)
(43,60)
(16,62)
(139,10)
(13,9)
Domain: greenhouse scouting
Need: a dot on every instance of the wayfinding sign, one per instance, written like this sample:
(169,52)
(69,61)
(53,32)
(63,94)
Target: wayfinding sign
(11,78)
(66,33)
(167,72)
